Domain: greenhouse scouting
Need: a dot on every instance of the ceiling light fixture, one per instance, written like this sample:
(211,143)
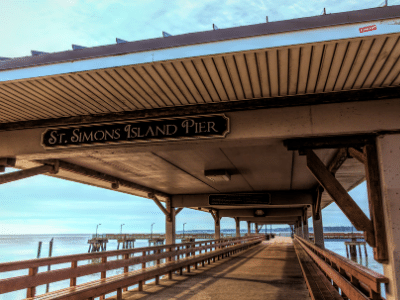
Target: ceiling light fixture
(217,175)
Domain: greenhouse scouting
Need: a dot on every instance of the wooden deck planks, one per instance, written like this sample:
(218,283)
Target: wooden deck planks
(268,271)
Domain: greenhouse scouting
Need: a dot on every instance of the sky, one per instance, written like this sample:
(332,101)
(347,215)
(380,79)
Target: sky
(43,204)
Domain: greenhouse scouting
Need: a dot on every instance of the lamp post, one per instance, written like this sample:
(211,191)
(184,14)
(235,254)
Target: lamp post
(151,237)
(97,228)
(183,230)
(121,227)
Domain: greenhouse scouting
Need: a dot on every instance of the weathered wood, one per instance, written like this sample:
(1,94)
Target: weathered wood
(72,280)
(100,287)
(178,210)
(360,156)
(345,202)
(156,201)
(375,202)
(329,142)
(317,205)
(36,279)
(338,160)
(359,273)
(218,107)
(104,177)
(18,175)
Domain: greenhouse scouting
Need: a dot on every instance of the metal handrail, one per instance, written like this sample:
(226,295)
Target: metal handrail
(356,281)
(169,252)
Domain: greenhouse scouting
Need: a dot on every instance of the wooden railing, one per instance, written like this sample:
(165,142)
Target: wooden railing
(81,264)
(355,281)
(146,236)
(341,235)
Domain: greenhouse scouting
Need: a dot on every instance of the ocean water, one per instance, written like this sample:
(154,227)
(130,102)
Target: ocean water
(24,247)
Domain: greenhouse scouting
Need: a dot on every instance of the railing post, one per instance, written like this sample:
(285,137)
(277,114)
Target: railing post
(126,269)
(103,273)
(72,281)
(31,291)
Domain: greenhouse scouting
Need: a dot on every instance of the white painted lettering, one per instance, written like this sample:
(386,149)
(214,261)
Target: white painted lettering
(75,137)
(53,138)
(128,130)
(211,126)
(149,130)
(96,136)
(187,124)
(168,129)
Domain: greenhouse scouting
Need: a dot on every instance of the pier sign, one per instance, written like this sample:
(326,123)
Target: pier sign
(239,199)
(166,129)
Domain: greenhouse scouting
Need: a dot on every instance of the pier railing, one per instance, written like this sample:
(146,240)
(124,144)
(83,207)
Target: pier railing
(82,264)
(146,236)
(341,235)
(355,281)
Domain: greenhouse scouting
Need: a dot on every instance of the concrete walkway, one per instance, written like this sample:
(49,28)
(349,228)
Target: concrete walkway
(267,271)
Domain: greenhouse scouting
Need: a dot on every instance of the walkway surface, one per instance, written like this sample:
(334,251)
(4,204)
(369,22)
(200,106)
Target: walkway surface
(267,271)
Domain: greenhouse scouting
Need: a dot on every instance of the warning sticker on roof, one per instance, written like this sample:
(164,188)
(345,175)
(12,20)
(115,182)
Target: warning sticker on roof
(367,28)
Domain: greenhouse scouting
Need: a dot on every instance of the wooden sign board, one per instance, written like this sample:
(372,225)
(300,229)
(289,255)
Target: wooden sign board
(166,129)
(240,199)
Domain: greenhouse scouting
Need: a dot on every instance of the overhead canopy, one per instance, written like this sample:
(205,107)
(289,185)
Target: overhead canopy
(268,79)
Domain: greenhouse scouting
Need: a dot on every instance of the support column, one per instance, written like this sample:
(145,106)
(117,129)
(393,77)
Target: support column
(305,231)
(389,168)
(237,221)
(248,227)
(301,229)
(318,230)
(256,224)
(217,230)
(170,233)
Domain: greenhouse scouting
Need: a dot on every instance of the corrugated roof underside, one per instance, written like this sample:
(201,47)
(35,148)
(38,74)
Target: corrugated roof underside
(305,69)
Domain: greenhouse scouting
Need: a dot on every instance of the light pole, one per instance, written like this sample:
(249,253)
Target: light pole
(151,237)
(121,227)
(183,230)
(97,228)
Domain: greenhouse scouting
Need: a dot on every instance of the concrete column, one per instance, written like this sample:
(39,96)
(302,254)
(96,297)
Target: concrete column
(170,224)
(237,221)
(248,227)
(305,231)
(389,165)
(318,231)
(217,232)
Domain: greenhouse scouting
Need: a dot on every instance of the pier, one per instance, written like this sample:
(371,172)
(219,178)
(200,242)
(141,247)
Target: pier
(265,124)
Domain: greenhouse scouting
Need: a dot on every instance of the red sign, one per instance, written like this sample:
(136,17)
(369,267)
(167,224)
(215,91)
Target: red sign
(367,28)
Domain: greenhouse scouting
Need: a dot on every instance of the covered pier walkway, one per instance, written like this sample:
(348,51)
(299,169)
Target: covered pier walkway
(269,270)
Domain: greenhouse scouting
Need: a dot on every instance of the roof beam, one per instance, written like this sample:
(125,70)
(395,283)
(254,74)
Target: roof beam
(105,177)
(13,176)
(288,198)
(260,220)
(340,195)
(219,107)
(269,212)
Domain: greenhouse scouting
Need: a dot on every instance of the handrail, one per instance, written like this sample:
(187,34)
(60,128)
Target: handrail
(35,279)
(18,265)
(356,281)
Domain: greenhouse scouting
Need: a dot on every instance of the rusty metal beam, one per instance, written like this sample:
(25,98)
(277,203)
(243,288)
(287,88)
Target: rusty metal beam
(218,107)
(345,202)
(6,162)
(178,210)
(357,154)
(329,142)
(375,202)
(156,201)
(104,177)
(13,176)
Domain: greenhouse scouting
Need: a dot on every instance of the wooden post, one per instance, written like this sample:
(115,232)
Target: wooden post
(31,291)
(126,268)
(103,274)
(375,202)
(345,202)
(74,265)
